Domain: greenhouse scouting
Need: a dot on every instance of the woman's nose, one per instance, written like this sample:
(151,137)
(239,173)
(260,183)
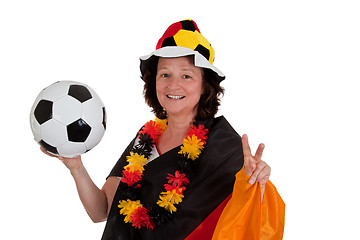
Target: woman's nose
(174,82)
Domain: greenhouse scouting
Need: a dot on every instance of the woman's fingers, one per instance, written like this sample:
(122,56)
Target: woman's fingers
(245,145)
(261,171)
(249,161)
(254,167)
(250,165)
(47,153)
(259,152)
(264,175)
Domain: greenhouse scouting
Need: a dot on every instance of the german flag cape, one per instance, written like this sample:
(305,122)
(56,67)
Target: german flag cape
(210,190)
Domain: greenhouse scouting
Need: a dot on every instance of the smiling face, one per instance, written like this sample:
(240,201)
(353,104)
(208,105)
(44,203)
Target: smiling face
(178,86)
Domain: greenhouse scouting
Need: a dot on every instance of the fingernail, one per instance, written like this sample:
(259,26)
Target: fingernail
(251,181)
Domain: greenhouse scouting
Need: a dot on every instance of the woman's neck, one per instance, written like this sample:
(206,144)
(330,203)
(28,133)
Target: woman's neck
(174,134)
(178,127)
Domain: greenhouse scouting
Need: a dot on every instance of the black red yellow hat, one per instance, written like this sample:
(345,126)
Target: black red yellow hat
(184,39)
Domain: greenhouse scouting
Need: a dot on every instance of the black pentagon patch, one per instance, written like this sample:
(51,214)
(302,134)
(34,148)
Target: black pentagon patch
(104,118)
(79,92)
(48,147)
(78,131)
(188,25)
(170,41)
(43,111)
(203,51)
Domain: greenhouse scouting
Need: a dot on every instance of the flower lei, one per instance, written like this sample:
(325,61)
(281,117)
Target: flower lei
(134,212)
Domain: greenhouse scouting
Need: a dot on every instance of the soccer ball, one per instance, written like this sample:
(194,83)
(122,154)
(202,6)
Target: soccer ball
(68,118)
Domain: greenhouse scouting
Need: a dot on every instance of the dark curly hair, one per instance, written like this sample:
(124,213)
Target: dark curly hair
(209,101)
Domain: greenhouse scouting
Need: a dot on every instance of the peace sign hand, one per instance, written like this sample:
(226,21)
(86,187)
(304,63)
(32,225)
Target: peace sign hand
(257,169)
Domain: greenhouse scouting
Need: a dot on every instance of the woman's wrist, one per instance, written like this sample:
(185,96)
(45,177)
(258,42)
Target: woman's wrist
(77,169)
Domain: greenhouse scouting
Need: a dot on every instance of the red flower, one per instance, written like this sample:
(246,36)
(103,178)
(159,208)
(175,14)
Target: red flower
(153,129)
(199,132)
(140,218)
(131,177)
(178,179)
(170,188)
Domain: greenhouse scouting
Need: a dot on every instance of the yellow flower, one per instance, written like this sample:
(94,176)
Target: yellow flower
(127,207)
(192,147)
(136,162)
(162,123)
(173,197)
(165,203)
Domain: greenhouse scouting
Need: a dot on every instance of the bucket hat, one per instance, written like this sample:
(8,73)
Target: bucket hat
(181,39)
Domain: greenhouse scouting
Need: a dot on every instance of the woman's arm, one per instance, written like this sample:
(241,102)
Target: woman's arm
(97,202)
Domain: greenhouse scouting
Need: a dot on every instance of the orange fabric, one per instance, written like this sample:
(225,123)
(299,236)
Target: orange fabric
(247,217)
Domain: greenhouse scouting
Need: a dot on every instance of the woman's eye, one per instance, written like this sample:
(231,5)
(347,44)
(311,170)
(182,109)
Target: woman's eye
(164,75)
(186,76)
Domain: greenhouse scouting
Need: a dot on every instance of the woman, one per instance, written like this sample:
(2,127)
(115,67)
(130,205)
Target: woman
(176,178)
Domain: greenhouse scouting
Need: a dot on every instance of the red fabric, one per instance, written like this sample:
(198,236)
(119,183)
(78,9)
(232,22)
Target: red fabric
(196,26)
(206,229)
(157,148)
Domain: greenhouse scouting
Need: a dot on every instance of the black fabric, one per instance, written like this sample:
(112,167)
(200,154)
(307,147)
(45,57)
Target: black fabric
(203,51)
(211,183)
(188,25)
(170,41)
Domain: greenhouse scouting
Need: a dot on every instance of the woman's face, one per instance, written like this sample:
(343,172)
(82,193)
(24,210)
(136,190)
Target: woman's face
(178,86)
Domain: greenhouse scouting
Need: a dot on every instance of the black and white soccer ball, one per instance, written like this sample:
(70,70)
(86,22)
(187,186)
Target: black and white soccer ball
(68,118)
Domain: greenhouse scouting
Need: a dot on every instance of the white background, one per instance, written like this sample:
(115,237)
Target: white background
(291,68)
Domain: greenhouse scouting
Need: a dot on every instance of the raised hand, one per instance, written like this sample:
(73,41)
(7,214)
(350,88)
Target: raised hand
(258,170)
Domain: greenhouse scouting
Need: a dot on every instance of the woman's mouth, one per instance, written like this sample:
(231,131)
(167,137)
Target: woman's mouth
(176,97)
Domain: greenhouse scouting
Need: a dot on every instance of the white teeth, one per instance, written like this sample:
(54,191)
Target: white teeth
(175,97)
